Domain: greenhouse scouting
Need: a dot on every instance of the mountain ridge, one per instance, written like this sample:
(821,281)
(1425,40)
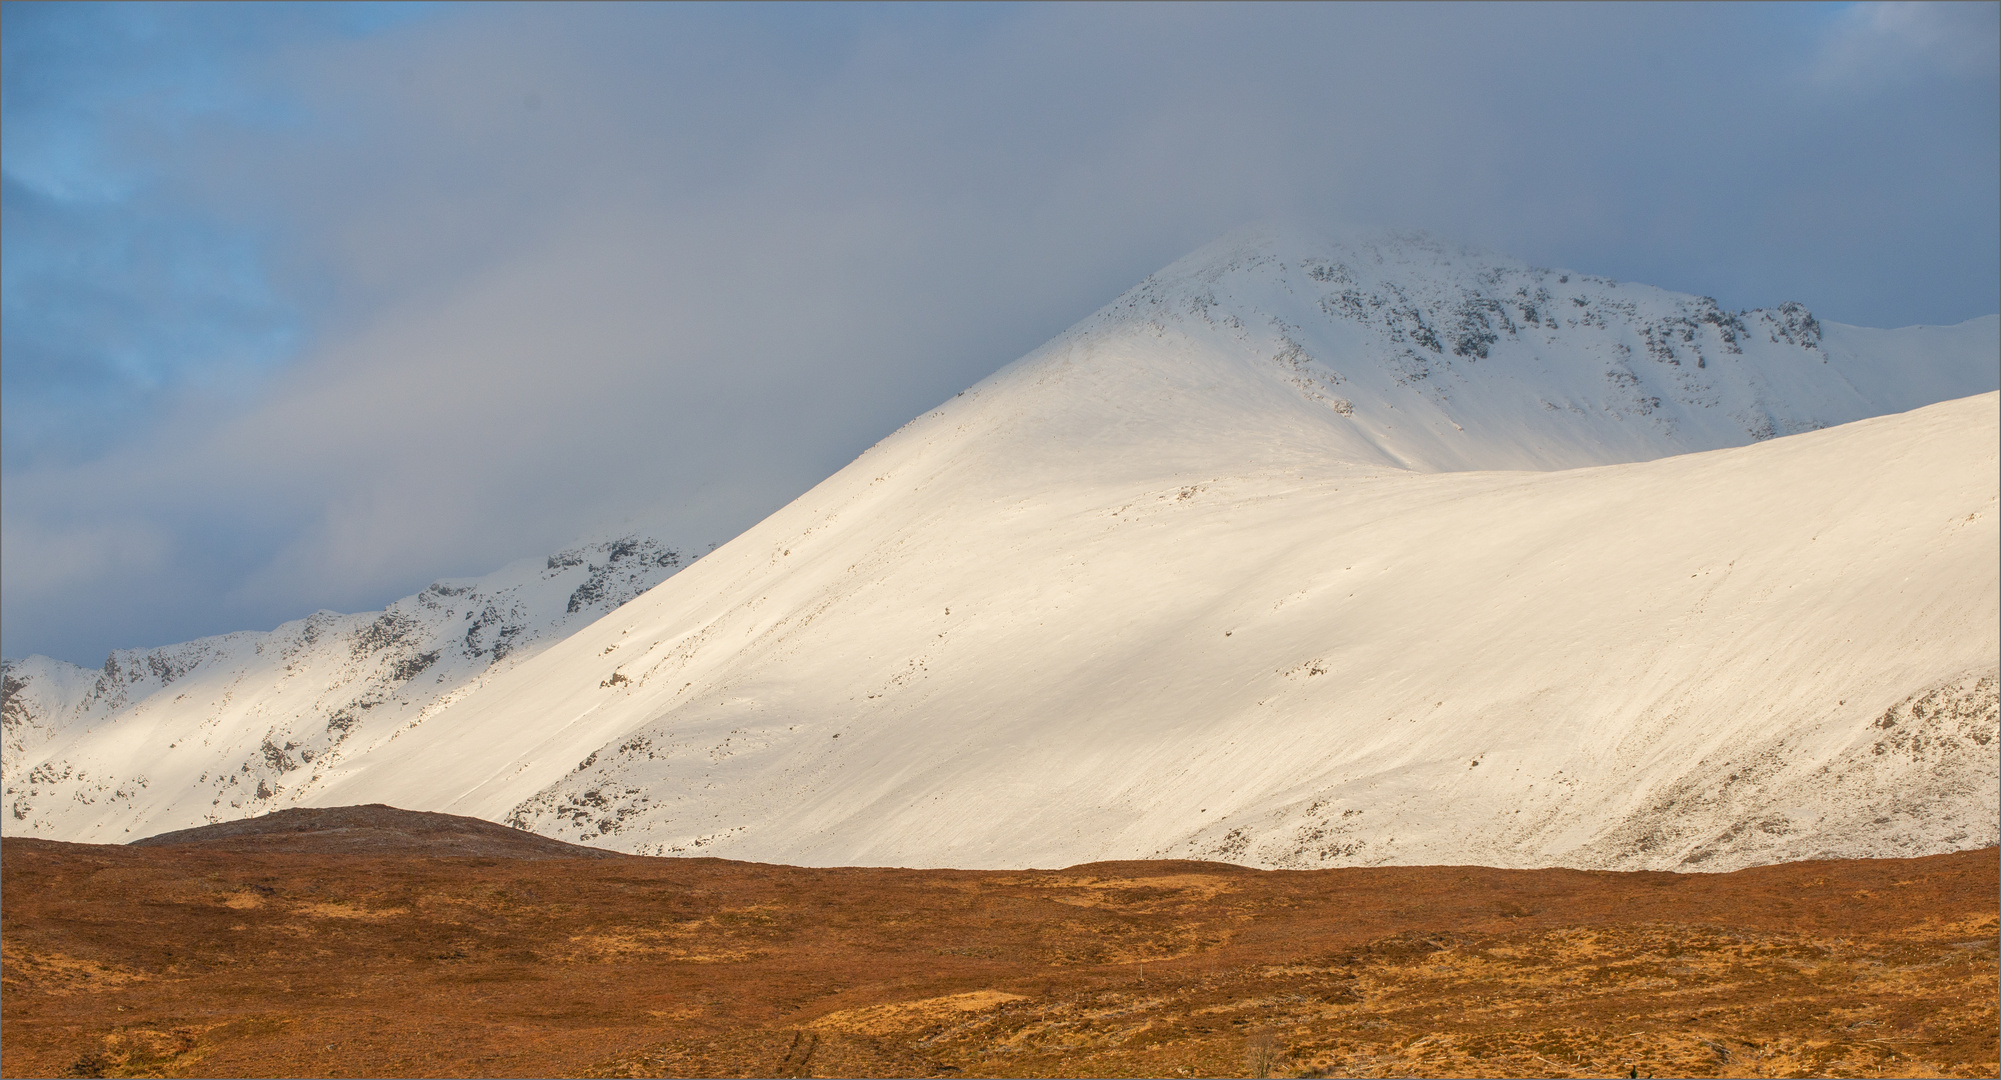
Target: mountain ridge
(301,692)
(1252,415)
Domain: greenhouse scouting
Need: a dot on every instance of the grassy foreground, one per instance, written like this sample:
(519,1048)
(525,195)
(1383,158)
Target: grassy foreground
(281,960)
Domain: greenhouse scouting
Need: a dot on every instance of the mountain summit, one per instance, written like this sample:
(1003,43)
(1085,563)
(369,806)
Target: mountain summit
(1442,359)
(1297,554)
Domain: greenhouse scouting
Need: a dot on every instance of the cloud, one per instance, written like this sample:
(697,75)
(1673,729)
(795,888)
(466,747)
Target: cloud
(1871,43)
(443,293)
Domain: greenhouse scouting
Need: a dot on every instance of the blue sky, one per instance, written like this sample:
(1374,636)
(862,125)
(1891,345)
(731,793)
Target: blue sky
(307,305)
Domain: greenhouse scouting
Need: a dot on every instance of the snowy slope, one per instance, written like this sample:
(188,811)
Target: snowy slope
(1259,561)
(38,705)
(1678,662)
(1164,588)
(237,725)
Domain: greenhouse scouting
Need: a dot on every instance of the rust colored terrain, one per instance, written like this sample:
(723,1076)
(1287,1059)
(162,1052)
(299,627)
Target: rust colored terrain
(369,941)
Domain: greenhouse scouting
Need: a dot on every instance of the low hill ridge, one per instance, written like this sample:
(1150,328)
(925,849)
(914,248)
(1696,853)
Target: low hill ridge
(371,830)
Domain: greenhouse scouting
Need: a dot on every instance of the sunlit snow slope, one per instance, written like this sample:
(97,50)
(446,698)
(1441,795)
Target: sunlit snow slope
(1311,554)
(237,725)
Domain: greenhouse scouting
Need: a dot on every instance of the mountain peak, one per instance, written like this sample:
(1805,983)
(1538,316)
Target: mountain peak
(1406,351)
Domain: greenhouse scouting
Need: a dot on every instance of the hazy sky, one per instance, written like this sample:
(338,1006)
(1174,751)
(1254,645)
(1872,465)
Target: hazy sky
(306,306)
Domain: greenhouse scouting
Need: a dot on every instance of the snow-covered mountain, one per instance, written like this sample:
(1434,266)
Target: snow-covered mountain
(237,725)
(1299,553)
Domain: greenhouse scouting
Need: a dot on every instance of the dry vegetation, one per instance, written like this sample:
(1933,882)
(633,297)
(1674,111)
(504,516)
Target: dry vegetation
(283,959)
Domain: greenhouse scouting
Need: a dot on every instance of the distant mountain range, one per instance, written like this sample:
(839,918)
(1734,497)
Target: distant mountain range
(1300,553)
(269,710)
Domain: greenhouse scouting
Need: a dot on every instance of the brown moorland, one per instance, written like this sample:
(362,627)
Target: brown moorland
(371,941)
